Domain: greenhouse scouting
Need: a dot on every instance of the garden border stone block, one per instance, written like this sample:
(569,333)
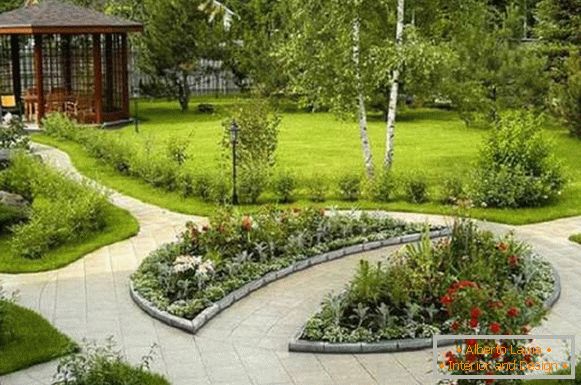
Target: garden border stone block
(331,255)
(371,245)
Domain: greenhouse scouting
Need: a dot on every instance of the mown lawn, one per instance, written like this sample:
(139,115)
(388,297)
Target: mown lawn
(575,238)
(28,339)
(120,225)
(434,142)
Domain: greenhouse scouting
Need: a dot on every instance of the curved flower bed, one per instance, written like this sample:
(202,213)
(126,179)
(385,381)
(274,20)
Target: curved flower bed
(473,283)
(209,268)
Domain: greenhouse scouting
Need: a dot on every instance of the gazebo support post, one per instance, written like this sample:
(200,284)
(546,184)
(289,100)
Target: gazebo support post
(109,72)
(39,80)
(16,83)
(98,78)
(66,56)
(125,77)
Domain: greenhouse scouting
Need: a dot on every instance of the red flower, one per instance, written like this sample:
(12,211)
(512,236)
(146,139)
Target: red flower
(529,302)
(471,357)
(512,312)
(473,323)
(475,312)
(513,260)
(528,358)
(494,327)
(502,246)
(455,326)
(247,223)
(471,342)
(446,300)
(496,352)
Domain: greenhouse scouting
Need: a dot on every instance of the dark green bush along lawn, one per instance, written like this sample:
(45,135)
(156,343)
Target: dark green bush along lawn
(120,224)
(433,142)
(575,238)
(32,340)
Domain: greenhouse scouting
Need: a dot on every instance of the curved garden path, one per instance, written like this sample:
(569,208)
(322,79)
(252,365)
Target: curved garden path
(247,343)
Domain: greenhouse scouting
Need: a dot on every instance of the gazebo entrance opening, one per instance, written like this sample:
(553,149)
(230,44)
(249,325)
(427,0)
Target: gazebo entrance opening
(57,57)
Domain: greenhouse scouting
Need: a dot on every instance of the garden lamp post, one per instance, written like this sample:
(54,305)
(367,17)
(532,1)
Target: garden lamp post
(136,107)
(234,130)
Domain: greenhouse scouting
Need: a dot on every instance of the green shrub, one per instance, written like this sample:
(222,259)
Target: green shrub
(517,167)
(221,190)
(177,149)
(206,108)
(317,188)
(453,190)
(383,186)
(104,366)
(12,134)
(350,187)
(568,96)
(284,186)
(203,186)
(62,209)
(252,183)
(416,188)
(10,216)
(60,126)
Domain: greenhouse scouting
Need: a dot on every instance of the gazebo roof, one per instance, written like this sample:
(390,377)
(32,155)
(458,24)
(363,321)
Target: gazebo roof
(54,16)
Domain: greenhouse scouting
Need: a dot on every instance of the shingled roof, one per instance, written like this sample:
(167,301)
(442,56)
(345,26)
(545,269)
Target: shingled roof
(54,16)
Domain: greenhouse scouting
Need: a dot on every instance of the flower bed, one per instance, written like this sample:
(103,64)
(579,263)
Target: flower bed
(207,264)
(470,282)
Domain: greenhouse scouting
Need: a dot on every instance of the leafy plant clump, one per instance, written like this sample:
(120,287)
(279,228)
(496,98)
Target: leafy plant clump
(62,209)
(97,365)
(12,134)
(211,261)
(517,167)
(431,288)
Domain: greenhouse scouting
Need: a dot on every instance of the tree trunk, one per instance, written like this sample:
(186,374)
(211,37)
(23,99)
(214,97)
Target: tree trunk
(392,109)
(362,112)
(183,91)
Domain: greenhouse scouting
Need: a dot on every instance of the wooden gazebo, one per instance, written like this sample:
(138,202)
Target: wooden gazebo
(55,56)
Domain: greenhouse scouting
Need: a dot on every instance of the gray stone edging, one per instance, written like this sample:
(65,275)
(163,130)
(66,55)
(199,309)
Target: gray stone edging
(297,344)
(192,326)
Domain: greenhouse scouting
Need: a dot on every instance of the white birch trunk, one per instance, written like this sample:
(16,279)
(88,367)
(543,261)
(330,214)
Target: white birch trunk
(362,112)
(392,108)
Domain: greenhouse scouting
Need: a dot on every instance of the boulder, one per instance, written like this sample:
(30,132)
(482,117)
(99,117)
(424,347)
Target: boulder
(12,200)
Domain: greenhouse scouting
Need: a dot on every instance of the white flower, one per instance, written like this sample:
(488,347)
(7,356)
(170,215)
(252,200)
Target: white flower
(7,118)
(185,263)
(205,268)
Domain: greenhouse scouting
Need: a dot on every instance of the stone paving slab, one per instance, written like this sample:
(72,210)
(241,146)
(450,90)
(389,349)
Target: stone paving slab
(247,343)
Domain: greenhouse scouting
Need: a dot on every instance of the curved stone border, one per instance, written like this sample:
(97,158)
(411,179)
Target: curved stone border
(192,326)
(304,346)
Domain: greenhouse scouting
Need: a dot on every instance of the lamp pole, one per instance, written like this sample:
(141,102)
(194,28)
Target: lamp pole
(234,130)
(136,109)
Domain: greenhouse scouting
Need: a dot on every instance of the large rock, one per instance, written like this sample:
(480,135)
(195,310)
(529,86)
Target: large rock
(12,200)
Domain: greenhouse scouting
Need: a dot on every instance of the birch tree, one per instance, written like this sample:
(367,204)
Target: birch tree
(392,109)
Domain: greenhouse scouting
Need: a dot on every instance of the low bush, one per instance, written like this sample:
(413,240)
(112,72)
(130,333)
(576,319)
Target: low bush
(252,183)
(206,108)
(177,149)
(383,186)
(453,190)
(12,134)
(517,167)
(104,366)
(184,278)
(317,188)
(284,186)
(10,216)
(202,186)
(416,188)
(431,288)
(62,209)
(350,187)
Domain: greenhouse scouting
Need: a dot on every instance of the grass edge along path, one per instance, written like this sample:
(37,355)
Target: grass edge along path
(30,339)
(575,238)
(173,201)
(120,225)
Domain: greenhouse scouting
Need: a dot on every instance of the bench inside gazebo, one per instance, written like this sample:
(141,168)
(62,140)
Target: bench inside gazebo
(58,57)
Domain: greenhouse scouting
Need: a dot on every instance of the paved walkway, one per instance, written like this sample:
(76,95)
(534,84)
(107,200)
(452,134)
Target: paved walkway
(247,343)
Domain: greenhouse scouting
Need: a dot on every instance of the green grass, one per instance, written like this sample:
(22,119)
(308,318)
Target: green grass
(433,141)
(120,225)
(576,381)
(575,238)
(30,340)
